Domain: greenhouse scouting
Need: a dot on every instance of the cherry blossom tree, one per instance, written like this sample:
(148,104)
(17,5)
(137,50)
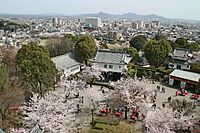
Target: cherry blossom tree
(167,120)
(136,92)
(90,73)
(55,112)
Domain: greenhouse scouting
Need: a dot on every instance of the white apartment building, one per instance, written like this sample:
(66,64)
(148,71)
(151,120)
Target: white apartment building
(93,22)
(155,24)
(140,23)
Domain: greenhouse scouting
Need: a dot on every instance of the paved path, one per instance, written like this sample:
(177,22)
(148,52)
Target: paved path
(162,97)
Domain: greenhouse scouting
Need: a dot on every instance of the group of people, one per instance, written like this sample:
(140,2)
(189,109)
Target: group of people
(135,114)
(120,112)
(159,89)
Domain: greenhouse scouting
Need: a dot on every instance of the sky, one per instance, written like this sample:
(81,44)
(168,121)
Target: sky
(186,9)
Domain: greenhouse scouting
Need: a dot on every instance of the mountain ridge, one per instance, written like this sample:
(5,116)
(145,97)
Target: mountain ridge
(103,15)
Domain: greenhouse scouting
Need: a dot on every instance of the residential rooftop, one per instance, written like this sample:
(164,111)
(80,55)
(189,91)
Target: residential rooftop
(112,57)
(186,75)
(64,61)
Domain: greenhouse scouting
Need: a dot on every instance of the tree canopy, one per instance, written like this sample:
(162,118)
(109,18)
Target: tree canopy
(157,51)
(11,96)
(181,42)
(159,36)
(138,42)
(3,77)
(59,46)
(12,26)
(133,52)
(195,67)
(85,48)
(37,67)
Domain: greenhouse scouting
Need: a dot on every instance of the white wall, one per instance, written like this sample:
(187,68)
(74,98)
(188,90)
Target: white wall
(183,66)
(72,70)
(116,68)
(171,81)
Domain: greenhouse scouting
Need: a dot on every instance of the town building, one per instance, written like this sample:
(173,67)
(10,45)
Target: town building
(94,22)
(66,65)
(155,24)
(180,59)
(135,25)
(140,23)
(111,61)
(147,26)
(54,21)
(190,80)
(115,35)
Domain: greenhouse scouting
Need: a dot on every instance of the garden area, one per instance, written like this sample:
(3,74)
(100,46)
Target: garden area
(110,125)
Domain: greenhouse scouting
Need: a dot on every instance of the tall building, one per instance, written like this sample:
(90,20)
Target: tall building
(155,24)
(134,25)
(140,23)
(94,22)
(147,25)
(60,22)
(54,21)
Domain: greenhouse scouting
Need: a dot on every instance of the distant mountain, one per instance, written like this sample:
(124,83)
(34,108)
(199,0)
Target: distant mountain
(107,16)
(134,16)
(50,14)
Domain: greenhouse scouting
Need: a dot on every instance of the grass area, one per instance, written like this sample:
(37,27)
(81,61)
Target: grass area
(107,120)
(110,125)
(123,127)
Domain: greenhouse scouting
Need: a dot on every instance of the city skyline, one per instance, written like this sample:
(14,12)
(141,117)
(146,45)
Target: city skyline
(184,9)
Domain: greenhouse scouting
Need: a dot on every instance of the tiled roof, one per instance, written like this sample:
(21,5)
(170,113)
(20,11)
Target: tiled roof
(64,61)
(186,75)
(111,57)
(180,54)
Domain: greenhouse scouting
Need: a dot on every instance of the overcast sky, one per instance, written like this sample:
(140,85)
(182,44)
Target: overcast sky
(187,9)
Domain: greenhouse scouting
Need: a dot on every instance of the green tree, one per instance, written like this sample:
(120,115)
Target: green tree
(180,43)
(3,77)
(194,47)
(159,36)
(59,46)
(85,48)
(183,43)
(157,51)
(69,37)
(195,67)
(138,42)
(11,96)
(133,52)
(37,67)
